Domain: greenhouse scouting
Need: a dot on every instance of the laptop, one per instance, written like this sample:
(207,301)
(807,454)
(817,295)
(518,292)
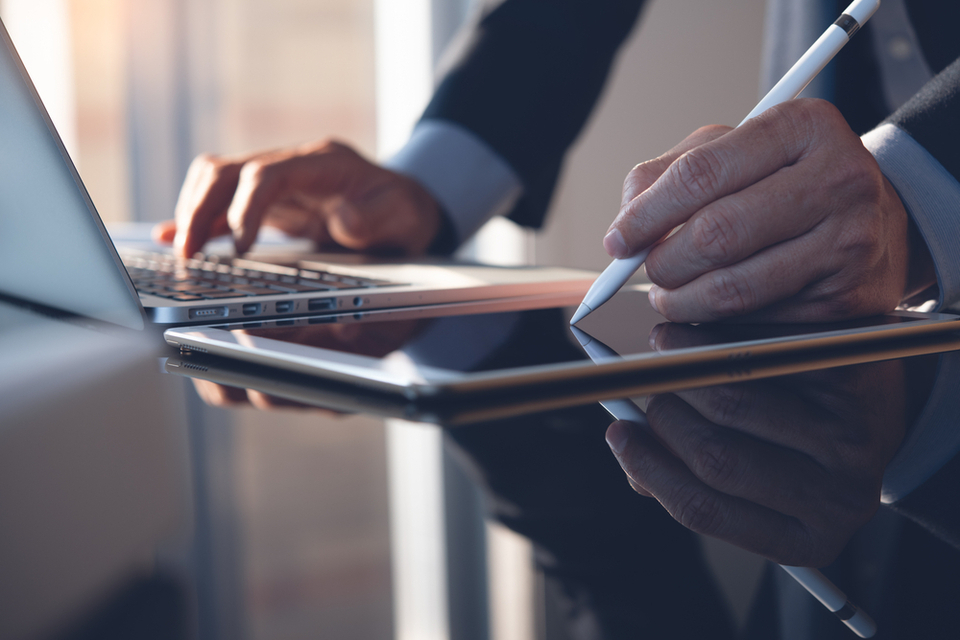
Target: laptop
(55,251)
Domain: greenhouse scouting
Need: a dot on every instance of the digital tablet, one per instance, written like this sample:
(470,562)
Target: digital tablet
(522,351)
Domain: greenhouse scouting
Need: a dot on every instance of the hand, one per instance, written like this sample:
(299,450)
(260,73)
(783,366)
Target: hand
(787,468)
(374,339)
(326,192)
(786,218)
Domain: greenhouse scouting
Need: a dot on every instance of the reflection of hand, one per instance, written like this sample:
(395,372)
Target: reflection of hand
(787,217)
(374,339)
(787,468)
(326,192)
(219,395)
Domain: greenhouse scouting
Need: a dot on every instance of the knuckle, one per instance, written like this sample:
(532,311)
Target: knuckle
(697,173)
(716,462)
(255,171)
(699,511)
(659,409)
(641,176)
(205,159)
(728,296)
(716,236)
(634,224)
(710,132)
(728,405)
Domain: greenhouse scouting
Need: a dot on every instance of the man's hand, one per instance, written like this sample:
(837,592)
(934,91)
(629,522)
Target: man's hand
(326,192)
(786,468)
(787,218)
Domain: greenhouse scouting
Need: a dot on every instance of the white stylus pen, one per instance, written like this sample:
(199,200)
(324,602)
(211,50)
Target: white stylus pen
(791,84)
(817,584)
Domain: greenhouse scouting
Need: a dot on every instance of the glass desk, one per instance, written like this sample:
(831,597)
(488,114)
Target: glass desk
(266,512)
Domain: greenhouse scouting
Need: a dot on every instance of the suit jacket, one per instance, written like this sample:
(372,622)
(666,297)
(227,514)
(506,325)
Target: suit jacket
(526,83)
(528,79)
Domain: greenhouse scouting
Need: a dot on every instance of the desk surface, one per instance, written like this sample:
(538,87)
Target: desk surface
(281,523)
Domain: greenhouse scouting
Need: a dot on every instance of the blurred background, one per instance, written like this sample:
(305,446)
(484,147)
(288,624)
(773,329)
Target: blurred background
(296,517)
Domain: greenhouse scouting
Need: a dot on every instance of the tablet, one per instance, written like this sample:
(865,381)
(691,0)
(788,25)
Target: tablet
(522,350)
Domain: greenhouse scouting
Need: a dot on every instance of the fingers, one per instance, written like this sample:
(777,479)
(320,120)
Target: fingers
(618,434)
(164,232)
(701,176)
(325,192)
(745,287)
(203,201)
(325,180)
(737,464)
(645,174)
(765,411)
(706,510)
(735,227)
(359,205)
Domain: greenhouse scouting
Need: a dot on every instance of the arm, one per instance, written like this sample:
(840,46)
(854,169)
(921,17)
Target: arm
(528,79)
(491,141)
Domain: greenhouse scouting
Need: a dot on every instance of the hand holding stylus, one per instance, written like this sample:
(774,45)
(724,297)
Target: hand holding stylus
(785,218)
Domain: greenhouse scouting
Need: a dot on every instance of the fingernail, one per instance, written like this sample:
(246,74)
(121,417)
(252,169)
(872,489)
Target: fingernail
(652,296)
(614,245)
(617,437)
(652,340)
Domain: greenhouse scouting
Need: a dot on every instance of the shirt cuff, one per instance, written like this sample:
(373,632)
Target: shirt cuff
(933,440)
(930,195)
(469,180)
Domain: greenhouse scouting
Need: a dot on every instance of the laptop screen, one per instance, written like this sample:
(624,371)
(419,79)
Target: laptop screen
(54,249)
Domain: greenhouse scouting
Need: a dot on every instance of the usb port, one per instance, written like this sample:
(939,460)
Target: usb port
(285,307)
(251,308)
(322,304)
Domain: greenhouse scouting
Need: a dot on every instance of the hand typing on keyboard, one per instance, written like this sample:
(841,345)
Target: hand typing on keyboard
(326,192)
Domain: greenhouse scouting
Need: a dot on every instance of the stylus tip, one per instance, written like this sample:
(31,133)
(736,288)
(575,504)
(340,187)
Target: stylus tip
(582,312)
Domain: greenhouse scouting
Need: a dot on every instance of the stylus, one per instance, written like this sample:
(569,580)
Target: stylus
(817,584)
(789,87)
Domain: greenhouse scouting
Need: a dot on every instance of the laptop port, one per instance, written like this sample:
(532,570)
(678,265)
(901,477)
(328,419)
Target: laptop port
(322,304)
(208,312)
(285,306)
(251,308)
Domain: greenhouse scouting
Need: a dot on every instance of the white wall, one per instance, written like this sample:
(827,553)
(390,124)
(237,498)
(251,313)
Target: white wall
(692,62)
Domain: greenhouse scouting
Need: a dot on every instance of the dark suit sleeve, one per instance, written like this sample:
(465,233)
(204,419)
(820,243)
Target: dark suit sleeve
(527,81)
(932,118)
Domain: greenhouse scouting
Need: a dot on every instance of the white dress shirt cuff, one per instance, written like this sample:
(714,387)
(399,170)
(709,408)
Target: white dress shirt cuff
(469,180)
(931,196)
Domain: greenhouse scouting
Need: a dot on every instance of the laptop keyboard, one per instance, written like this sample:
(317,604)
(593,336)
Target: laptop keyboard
(211,277)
